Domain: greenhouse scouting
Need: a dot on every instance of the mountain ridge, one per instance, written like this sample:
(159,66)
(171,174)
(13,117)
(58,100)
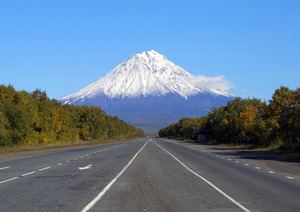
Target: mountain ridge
(141,75)
(147,89)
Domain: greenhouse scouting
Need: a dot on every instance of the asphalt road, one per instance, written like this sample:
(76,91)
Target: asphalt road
(143,175)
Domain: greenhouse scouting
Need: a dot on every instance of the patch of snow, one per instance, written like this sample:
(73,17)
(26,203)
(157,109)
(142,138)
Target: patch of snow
(149,74)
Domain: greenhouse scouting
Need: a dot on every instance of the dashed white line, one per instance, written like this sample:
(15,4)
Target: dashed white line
(291,178)
(8,180)
(246,164)
(44,168)
(59,164)
(237,161)
(7,167)
(29,173)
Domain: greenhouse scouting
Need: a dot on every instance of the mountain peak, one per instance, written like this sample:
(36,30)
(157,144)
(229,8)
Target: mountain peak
(145,74)
(149,57)
(152,53)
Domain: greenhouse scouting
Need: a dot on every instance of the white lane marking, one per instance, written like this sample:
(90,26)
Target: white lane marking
(44,168)
(246,164)
(271,172)
(228,159)
(8,180)
(207,181)
(7,167)
(237,161)
(291,178)
(29,173)
(59,164)
(86,167)
(67,161)
(81,157)
(257,167)
(100,195)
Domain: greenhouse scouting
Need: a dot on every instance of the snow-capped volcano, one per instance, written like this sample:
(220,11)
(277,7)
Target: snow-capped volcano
(146,74)
(148,90)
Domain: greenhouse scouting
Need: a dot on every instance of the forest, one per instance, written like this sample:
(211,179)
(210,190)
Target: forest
(33,118)
(248,122)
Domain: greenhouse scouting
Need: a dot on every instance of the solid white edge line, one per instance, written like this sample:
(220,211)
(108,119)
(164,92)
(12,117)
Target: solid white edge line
(207,181)
(101,194)
(8,180)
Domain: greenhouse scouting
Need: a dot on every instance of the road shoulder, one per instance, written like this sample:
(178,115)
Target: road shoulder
(262,159)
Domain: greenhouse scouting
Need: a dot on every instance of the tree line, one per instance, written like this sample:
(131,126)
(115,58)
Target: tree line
(33,118)
(248,122)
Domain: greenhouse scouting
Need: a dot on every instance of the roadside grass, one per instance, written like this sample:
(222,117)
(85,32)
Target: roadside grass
(19,148)
(288,151)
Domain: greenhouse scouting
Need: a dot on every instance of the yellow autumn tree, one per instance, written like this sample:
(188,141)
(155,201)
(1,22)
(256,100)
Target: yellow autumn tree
(246,120)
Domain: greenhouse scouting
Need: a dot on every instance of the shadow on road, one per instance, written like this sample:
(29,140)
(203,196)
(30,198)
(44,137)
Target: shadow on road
(244,153)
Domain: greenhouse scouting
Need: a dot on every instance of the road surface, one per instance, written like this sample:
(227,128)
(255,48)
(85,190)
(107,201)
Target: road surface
(148,174)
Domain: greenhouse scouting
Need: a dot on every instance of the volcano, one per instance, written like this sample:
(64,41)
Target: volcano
(151,92)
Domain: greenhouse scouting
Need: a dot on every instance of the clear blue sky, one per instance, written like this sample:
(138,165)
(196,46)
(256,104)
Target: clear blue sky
(62,46)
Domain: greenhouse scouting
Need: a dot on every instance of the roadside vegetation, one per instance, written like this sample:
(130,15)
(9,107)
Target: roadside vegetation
(33,119)
(248,122)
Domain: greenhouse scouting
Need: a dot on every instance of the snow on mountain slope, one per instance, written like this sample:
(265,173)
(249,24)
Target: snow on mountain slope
(149,74)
